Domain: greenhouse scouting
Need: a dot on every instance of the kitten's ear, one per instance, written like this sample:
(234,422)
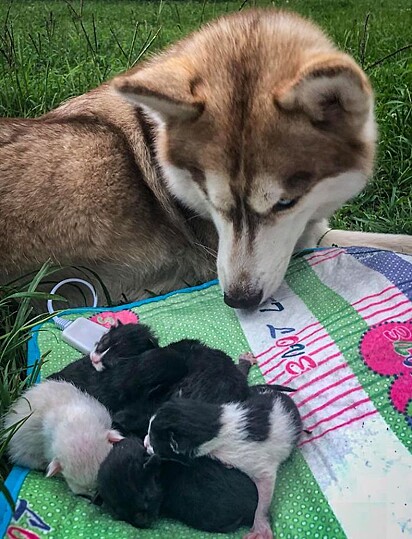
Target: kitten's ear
(114,436)
(116,323)
(53,468)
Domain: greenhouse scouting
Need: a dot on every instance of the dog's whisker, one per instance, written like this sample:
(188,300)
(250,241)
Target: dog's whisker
(194,216)
(208,250)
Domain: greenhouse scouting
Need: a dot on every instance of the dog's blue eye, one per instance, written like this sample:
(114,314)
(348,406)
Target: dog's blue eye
(285,203)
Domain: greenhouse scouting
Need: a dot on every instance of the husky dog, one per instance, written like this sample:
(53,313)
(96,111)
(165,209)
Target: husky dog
(238,142)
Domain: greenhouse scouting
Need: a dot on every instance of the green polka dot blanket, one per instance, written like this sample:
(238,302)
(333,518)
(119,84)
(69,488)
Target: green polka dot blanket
(339,330)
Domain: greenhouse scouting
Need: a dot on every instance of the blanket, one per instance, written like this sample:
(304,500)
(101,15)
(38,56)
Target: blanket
(338,330)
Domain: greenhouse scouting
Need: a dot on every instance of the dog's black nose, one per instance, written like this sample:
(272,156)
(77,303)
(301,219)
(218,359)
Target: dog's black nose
(243,302)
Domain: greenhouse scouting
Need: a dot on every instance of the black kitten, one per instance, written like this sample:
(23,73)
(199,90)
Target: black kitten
(122,342)
(211,374)
(129,483)
(205,495)
(121,348)
(186,368)
(255,436)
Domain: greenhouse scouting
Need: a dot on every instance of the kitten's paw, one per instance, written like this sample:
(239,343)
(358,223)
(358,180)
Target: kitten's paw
(259,535)
(249,357)
(260,531)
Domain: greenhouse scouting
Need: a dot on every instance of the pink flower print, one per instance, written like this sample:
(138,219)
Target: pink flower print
(111,318)
(387,350)
(401,392)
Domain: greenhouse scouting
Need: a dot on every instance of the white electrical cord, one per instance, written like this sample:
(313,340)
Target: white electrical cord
(81,333)
(60,322)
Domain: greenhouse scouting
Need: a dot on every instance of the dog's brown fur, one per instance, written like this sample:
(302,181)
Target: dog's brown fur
(83,184)
(80,185)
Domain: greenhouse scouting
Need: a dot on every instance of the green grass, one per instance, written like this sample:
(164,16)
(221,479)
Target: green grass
(53,50)
(16,320)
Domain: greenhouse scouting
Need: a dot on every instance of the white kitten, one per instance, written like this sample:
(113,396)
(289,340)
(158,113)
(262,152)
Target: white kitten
(62,430)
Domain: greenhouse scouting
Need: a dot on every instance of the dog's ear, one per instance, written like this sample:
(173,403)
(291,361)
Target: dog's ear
(169,88)
(331,89)
(53,468)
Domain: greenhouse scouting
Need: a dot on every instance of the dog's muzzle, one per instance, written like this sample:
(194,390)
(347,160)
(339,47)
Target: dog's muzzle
(243,302)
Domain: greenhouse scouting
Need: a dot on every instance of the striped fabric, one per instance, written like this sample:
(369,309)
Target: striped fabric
(339,331)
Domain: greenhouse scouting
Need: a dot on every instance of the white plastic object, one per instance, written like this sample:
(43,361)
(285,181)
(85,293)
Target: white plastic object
(67,281)
(83,334)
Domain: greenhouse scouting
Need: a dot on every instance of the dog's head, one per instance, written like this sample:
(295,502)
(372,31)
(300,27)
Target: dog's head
(264,127)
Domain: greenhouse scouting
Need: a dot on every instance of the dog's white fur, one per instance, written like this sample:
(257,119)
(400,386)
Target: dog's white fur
(62,430)
(299,228)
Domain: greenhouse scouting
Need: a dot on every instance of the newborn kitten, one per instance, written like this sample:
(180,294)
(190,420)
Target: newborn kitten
(62,430)
(255,436)
(206,495)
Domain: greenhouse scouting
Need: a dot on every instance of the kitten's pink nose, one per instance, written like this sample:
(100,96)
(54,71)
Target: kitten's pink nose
(96,360)
(95,357)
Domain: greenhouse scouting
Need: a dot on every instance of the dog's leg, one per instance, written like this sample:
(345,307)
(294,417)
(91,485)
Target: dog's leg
(400,243)
(318,234)
(313,232)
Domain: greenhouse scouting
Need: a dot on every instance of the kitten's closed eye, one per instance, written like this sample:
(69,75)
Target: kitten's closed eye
(174,446)
(102,345)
